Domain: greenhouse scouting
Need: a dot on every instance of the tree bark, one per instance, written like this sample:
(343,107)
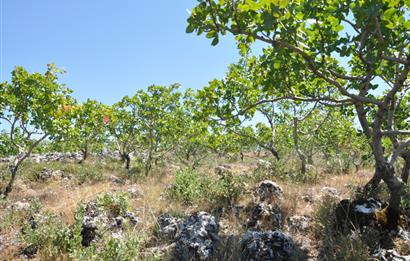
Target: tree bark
(387,174)
(406,168)
(310,159)
(274,153)
(373,183)
(148,164)
(125,158)
(301,155)
(9,186)
(85,155)
(396,192)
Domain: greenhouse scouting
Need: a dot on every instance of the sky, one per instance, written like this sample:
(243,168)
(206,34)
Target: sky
(110,48)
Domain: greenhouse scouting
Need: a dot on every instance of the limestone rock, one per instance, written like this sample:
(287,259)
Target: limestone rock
(298,223)
(263,164)
(19,206)
(357,213)
(271,245)
(329,191)
(264,216)
(47,174)
(97,220)
(169,226)
(390,255)
(268,190)
(197,238)
(134,192)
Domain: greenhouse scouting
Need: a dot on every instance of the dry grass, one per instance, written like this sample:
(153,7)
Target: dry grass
(62,197)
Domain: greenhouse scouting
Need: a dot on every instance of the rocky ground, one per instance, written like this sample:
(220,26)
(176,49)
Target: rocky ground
(273,219)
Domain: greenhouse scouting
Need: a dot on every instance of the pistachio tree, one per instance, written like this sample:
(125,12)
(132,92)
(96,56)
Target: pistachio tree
(32,109)
(89,127)
(193,142)
(157,116)
(229,104)
(124,127)
(338,53)
(314,131)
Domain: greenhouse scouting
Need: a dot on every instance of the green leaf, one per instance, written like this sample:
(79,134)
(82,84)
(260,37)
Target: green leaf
(215,41)
(190,28)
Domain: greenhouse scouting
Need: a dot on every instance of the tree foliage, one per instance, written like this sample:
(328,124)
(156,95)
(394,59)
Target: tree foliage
(34,106)
(332,52)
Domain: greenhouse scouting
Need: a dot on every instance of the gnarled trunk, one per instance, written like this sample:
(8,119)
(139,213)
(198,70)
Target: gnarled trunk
(127,160)
(373,184)
(148,164)
(396,192)
(301,155)
(9,186)
(386,172)
(406,167)
(85,155)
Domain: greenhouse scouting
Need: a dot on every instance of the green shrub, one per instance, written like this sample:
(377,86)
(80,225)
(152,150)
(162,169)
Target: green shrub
(15,218)
(127,247)
(114,204)
(53,240)
(50,237)
(190,187)
(88,173)
(227,189)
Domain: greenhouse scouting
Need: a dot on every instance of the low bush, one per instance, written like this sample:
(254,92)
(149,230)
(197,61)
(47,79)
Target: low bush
(190,187)
(114,204)
(12,218)
(47,237)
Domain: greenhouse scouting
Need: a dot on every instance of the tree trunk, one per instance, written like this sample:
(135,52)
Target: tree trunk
(301,155)
(373,184)
(9,186)
(127,161)
(387,174)
(274,153)
(396,192)
(148,164)
(406,168)
(310,159)
(303,163)
(85,155)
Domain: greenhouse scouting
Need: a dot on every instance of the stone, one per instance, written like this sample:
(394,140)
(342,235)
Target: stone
(19,206)
(263,164)
(329,191)
(88,231)
(223,170)
(298,223)
(308,198)
(390,255)
(116,180)
(197,238)
(134,192)
(264,216)
(47,173)
(270,245)
(97,220)
(268,190)
(169,226)
(357,213)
